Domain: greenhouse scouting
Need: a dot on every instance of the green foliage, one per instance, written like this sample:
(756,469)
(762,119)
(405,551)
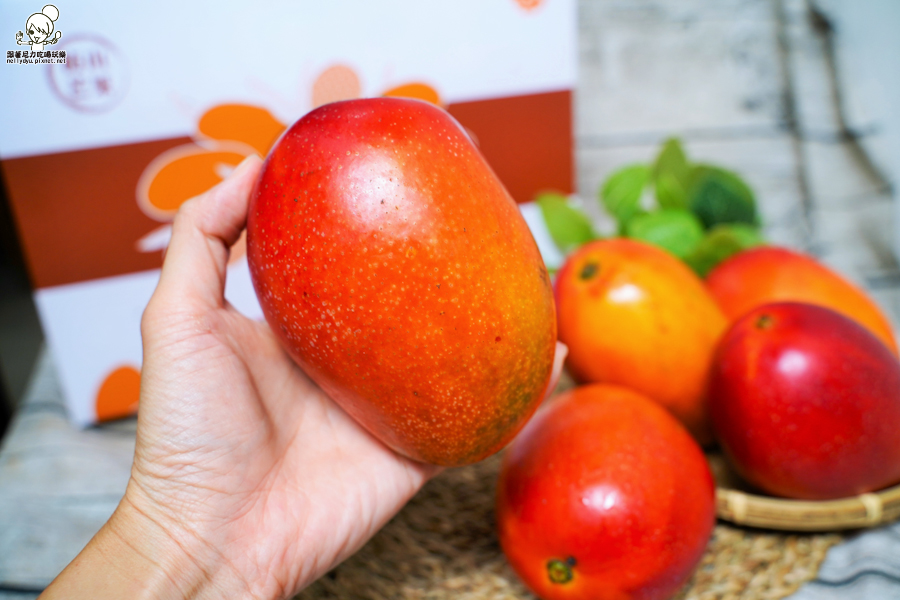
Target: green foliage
(568,226)
(672,176)
(702,214)
(675,230)
(720,243)
(621,194)
(718,196)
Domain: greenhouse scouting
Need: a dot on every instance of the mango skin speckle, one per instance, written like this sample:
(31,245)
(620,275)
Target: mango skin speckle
(399,274)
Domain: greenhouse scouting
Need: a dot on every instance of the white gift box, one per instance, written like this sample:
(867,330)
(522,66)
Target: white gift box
(136,108)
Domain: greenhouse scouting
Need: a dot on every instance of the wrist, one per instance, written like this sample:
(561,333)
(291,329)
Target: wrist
(137,555)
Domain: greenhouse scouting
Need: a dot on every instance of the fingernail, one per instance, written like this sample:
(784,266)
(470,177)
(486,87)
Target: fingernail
(242,166)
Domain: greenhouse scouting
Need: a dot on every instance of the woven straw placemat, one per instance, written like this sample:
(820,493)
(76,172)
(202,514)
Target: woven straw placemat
(442,545)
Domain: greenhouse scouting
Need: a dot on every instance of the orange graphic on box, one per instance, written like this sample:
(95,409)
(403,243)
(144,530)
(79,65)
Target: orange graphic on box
(118,394)
(529,4)
(336,83)
(226,134)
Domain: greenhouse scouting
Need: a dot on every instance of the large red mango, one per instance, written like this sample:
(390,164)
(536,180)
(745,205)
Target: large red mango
(399,274)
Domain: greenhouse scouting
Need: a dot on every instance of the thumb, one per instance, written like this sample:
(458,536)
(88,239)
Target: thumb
(205,228)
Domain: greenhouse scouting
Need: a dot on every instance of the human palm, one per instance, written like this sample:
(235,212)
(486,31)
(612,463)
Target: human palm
(248,481)
(240,458)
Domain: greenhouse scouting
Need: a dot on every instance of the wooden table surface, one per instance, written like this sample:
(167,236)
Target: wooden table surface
(746,83)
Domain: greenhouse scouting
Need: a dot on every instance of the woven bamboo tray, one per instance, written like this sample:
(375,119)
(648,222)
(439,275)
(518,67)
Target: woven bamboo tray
(442,546)
(738,505)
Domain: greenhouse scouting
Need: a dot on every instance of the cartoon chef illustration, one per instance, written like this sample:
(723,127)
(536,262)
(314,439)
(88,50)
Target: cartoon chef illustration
(39,27)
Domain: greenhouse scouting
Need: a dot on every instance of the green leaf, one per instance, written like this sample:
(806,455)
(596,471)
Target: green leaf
(720,243)
(568,226)
(671,192)
(719,196)
(677,231)
(621,194)
(672,175)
